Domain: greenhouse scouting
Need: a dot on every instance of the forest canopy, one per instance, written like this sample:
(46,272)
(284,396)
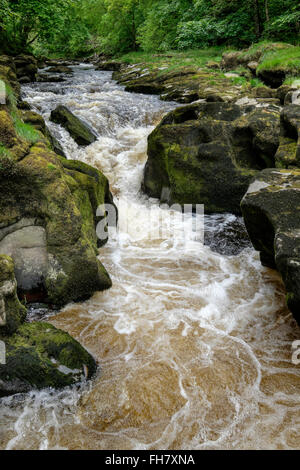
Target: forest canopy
(80,27)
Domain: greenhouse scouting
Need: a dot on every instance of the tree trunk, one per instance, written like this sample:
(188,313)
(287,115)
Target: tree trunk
(267,11)
(257,19)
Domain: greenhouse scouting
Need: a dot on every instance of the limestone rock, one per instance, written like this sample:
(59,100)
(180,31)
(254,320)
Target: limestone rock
(80,131)
(12,312)
(271,213)
(40,356)
(207,153)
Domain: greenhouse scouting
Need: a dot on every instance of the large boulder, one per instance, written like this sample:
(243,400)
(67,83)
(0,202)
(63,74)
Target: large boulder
(207,153)
(47,225)
(40,356)
(272,216)
(80,131)
(36,355)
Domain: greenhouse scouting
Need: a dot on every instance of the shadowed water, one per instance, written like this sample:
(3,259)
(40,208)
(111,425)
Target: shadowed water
(193,341)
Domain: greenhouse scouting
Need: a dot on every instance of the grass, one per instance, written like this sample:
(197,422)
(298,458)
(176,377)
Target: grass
(175,59)
(256,82)
(292,81)
(26,131)
(286,59)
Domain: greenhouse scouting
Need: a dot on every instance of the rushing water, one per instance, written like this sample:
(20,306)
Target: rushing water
(193,341)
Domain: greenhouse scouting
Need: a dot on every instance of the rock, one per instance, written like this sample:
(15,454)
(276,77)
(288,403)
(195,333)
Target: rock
(283,91)
(26,67)
(252,66)
(8,73)
(38,122)
(60,69)
(270,210)
(212,65)
(263,92)
(46,78)
(12,312)
(80,131)
(47,225)
(185,85)
(272,77)
(109,66)
(231,60)
(40,356)
(288,153)
(207,153)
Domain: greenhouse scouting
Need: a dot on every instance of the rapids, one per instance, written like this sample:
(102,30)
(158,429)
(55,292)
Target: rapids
(194,341)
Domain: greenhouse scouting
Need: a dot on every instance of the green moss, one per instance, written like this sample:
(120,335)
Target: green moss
(35,356)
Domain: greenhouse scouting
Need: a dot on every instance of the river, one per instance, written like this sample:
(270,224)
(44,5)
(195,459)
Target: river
(194,341)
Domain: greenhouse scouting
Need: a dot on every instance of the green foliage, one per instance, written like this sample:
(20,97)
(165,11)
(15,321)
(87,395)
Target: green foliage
(26,131)
(115,27)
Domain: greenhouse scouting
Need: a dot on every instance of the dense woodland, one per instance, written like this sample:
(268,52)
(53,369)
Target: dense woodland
(80,27)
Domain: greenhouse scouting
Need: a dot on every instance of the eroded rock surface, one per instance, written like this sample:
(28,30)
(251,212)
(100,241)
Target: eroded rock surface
(271,210)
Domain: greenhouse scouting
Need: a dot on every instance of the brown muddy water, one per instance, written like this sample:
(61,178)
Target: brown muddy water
(194,347)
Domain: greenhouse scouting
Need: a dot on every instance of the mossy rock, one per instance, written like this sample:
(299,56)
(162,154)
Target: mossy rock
(80,131)
(40,356)
(12,312)
(57,206)
(207,153)
(271,210)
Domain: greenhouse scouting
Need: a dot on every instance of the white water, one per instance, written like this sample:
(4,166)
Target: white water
(194,347)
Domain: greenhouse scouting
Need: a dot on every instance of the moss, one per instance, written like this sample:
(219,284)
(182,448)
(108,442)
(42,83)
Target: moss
(35,356)
(15,312)
(80,132)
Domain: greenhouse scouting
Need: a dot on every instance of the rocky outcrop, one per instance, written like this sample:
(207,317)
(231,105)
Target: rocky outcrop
(12,312)
(80,131)
(40,356)
(38,122)
(47,225)
(271,213)
(185,85)
(60,69)
(26,67)
(207,153)
(37,355)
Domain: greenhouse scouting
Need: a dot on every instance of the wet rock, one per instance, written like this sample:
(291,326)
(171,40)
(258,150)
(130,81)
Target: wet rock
(46,78)
(60,69)
(79,130)
(207,153)
(270,210)
(283,91)
(40,356)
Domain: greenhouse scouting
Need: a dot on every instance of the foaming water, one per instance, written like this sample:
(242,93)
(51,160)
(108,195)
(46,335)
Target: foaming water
(194,346)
